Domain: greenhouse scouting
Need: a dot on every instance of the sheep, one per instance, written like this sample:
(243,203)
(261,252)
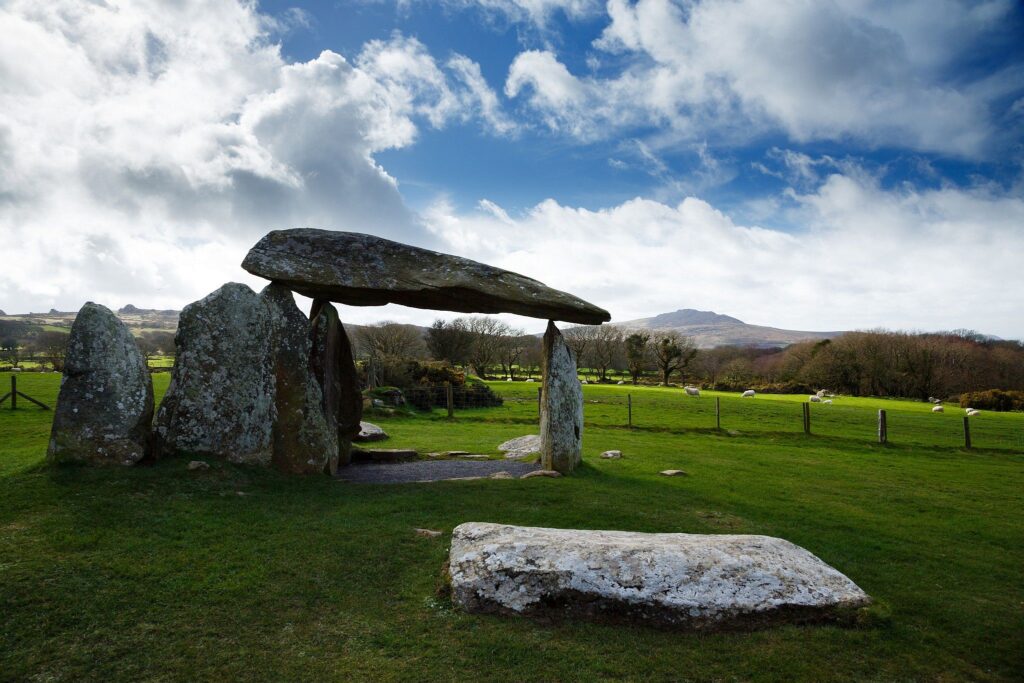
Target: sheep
(971,412)
(749,393)
(620,382)
(827,401)
(584,382)
(814,398)
(508,379)
(821,393)
(938,409)
(935,400)
(692,391)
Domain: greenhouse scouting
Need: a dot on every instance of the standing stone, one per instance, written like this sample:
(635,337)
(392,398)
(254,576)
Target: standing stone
(220,402)
(333,366)
(304,441)
(105,406)
(561,414)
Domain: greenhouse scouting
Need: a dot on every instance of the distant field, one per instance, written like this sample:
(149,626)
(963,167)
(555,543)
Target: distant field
(158,573)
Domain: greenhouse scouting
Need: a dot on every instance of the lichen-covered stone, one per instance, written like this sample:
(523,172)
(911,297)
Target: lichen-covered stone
(333,366)
(679,580)
(363,270)
(105,407)
(561,406)
(221,399)
(370,432)
(304,440)
(521,446)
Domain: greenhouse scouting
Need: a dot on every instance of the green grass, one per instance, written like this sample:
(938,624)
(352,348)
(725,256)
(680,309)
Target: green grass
(157,573)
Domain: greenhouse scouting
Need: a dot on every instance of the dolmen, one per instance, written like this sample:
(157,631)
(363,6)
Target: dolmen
(687,581)
(258,382)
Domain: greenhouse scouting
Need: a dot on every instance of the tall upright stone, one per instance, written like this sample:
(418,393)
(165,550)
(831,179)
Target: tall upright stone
(561,413)
(304,440)
(221,399)
(105,407)
(333,366)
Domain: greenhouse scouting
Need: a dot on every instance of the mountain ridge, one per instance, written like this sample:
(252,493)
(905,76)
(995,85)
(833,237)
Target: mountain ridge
(709,329)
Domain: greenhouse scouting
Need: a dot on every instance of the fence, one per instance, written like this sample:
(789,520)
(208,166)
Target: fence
(672,410)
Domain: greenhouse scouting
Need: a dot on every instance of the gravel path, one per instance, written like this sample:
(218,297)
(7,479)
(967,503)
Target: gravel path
(430,470)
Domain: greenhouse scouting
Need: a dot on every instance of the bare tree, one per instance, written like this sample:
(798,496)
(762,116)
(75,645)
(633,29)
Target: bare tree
(606,349)
(511,349)
(672,352)
(578,340)
(487,340)
(390,340)
(638,354)
(10,351)
(450,340)
(52,347)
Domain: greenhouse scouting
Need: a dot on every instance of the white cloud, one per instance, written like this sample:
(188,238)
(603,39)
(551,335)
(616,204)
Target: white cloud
(883,73)
(867,257)
(535,12)
(144,146)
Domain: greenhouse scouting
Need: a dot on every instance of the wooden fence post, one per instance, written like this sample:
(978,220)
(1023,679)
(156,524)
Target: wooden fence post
(14,392)
(718,412)
(967,433)
(807,418)
(629,409)
(883,428)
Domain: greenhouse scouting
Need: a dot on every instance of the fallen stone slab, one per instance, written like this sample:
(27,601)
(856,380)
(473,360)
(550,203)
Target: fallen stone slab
(673,473)
(541,473)
(364,270)
(693,581)
(105,405)
(521,446)
(427,533)
(370,432)
(611,455)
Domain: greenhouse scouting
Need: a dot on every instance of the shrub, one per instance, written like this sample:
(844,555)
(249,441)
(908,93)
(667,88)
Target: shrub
(993,399)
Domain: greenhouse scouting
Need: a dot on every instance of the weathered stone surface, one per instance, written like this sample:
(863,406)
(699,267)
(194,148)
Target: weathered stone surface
(521,446)
(370,432)
(105,406)
(304,441)
(561,412)
(333,366)
(680,580)
(363,270)
(220,402)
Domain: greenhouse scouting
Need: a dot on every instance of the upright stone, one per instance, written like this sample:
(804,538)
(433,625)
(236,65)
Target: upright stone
(333,366)
(561,414)
(220,402)
(304,440)
(105,407)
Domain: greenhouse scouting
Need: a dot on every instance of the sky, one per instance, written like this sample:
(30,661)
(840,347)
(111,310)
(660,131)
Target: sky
(830,165)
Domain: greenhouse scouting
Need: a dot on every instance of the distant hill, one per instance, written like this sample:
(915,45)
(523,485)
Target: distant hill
(710,329)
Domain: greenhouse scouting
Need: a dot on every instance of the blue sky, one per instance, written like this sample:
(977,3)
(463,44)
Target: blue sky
(847,164)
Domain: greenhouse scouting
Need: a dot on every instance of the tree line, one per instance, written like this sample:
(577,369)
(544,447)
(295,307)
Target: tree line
(22,342)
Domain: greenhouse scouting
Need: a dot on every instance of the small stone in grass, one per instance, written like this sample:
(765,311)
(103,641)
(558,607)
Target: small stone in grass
(611,455)
(502,475)
(674,473)
(540,473)
(198,465)
(427,533)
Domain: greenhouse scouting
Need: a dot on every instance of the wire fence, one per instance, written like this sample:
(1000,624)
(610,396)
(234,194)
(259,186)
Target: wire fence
(659,410)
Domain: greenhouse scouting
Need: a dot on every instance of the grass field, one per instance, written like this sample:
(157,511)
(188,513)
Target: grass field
(157,573)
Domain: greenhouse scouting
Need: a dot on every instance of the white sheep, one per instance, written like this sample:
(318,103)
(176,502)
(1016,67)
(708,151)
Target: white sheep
(971,412)
(938,409)
(814,398)
(620,382)
(529,379)
(821,393)
(827,401)
(749,393)
(692,391)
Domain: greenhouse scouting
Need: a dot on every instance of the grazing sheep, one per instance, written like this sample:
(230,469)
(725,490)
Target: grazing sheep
(935,400)
(938,409)
(827,401)
(692,391)
(821,393)
(508,379)
(971,412)
(529,379)
(584,382)
(749,393)
(620,382)
(814,398)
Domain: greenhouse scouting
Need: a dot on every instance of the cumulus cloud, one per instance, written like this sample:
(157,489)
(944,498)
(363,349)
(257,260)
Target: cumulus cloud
(867,256)
(883,73)
(536,12)
(145,145)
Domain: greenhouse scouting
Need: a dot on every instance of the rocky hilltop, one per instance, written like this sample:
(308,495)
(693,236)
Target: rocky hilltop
(710,329)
